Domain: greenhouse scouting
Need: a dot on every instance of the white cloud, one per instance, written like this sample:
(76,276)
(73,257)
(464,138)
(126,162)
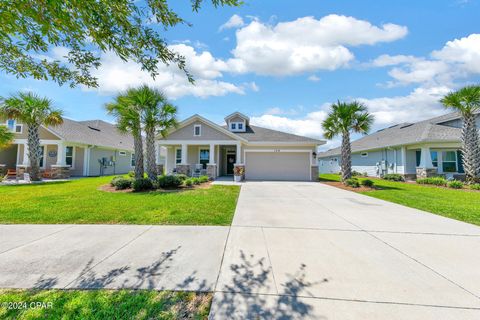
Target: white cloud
(235,21)
(314,78)
(305,44)
(464,51)
(387,60)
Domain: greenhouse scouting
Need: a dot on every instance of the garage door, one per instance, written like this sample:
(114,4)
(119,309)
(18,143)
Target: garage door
(277,166)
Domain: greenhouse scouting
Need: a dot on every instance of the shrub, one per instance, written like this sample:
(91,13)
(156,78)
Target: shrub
(188,182)
(454,184)
(436,181)
(356,173)
(142,185)
(115,179)
(182,177)
(393,177)
(203,179)
(123,183)
(195,181)
(169,181)
(352,182)
(475,186)
(131,174)
(367,183)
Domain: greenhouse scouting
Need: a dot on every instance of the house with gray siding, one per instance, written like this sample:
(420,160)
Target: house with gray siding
(74,148)
(415,149)
(200,145)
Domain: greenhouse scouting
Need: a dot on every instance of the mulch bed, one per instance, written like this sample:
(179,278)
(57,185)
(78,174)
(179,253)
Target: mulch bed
(109,188)
(340,185)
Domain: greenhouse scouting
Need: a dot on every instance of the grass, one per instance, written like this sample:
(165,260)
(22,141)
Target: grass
(105,304)
(455,204)
(80,201)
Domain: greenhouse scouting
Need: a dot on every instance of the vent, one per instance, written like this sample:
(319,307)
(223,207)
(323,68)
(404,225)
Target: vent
(93,128)
(407,125)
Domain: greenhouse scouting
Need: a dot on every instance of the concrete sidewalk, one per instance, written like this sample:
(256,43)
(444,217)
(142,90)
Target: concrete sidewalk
(311,251)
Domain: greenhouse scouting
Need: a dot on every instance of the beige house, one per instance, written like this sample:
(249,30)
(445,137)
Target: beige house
(199,146)
(75,148)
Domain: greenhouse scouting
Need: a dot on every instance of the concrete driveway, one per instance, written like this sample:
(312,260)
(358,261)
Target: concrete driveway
(307,250)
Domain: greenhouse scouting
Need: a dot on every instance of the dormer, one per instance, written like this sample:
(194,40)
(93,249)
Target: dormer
(237,122)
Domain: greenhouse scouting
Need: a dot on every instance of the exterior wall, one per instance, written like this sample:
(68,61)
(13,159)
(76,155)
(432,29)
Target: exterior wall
(78,163)
(411,167)
(207,133)
(457,123)
(20,153)
(329,164)
(193,156)
(44,134)
(122,164)
(8,156)
(51,160)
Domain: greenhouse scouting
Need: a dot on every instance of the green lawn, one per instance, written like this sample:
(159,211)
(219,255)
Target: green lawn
(79,201)
(104,304)
(456,204)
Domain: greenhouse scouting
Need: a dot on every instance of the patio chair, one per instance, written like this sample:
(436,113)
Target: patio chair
(197,171)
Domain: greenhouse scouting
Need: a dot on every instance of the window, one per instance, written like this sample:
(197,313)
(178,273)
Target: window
(418,157)
(240,126)
(178,156)
(132,160)
(122,153)
(13,126)
(42,151)
(434,156)
(204,157)
(364,154)
(197,130)
(233,126)
(449,161)
(69,156)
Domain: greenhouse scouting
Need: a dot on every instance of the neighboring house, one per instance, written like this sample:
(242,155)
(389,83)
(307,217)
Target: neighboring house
(75,148)
(265,154)
(420,149)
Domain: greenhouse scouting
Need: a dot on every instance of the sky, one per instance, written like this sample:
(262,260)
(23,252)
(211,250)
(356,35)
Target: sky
(283,63)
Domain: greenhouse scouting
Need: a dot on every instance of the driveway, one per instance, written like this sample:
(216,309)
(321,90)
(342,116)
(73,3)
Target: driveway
(307,250)
(295,250)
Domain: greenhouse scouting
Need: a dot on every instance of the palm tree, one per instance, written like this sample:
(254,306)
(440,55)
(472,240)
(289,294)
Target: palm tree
(157,116)
(128,121)
(467,102)
(343,119)
(6,137)
(33,111)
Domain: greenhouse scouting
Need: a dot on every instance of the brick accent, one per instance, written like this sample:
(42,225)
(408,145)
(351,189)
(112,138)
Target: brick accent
(160,169)
(183,169)
(212,171)
(426,172)
(314,170)
(60,172)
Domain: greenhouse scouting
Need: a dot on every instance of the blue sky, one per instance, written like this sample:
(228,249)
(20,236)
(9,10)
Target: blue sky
(283,62)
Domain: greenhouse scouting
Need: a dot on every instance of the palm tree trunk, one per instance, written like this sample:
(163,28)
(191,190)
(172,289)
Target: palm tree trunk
(470,148)
(138,147)
(150,145)
(34,151)
(346,157)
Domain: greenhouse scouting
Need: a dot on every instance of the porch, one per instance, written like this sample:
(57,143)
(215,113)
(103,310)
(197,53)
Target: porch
(215,159)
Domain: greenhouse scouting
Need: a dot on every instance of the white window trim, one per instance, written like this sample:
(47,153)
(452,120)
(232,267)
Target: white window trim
(236,123)
(122,153)
(440,153)
(176,158)
(15,125)
(199,126)
(73,156)
(200,151)
(364,154)
(132,160)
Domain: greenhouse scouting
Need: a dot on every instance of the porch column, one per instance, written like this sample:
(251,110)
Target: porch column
(238,154)
(211,153)
(60,154)
(26,159)
(157,153)
(426,159)
(404,159)
(184,153)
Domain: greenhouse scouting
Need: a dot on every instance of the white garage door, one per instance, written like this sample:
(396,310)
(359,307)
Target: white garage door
(277,166)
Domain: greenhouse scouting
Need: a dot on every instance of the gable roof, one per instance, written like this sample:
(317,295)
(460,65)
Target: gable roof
(237,114)
(430,130)
(260,134)
(93,132)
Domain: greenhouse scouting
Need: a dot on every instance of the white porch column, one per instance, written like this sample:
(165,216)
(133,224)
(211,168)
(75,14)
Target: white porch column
(426,158)
(157,153)
(239,154)
(211,153)
(404,159)
(184,153)
(60,154)
(26,160)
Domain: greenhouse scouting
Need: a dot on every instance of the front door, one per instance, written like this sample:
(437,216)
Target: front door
(231,158)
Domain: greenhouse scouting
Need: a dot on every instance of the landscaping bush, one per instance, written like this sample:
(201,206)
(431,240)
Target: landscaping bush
(352,182)
(436,181)
(455,184)
(169,181)
(195,181)
(393,177)
(123,183)
(475,186)
(203,179)
(367,183)
(131,174)
(356,173)
(182,177)
(188,182)
(142,185)
(115,179)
